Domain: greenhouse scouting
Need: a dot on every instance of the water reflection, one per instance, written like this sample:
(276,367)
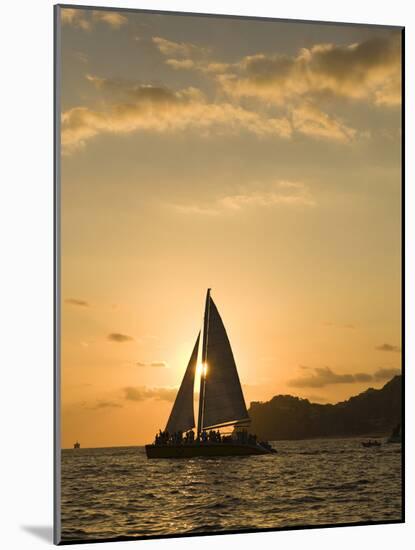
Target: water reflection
(117,491)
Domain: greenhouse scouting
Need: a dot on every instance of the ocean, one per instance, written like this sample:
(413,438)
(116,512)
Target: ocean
(112,492)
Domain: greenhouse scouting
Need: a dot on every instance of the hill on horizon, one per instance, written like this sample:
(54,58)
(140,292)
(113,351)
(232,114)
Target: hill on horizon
(372,412)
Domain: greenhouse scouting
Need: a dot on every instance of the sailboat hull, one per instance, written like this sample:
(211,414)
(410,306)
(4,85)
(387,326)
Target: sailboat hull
(205,450)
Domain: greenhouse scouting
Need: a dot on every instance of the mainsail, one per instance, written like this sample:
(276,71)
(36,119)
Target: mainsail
(182,415)
(223,400)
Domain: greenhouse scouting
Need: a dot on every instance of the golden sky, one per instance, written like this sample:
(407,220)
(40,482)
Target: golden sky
(259,158)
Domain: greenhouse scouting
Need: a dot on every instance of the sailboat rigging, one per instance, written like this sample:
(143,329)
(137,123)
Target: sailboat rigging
(221,402)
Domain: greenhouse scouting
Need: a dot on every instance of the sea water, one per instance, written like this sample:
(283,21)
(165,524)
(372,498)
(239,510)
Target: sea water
(112,492)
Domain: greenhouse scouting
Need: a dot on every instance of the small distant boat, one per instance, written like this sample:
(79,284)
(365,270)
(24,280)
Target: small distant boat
(221,402)
(77,445)
(371,443)
(396,435)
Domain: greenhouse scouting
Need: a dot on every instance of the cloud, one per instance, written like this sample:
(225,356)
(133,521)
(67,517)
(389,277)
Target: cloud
(142,393)
(385,374)
(76,302)
(365,71)
(180,63)
(191,57)
(390,94)
(106,404)
(111,18)
(204,65)
(85,19)
(139,107)
(389,347)
(369,71)
(179,49)
(311,121)
(325,376)
(156,364)
(119,338)
(76,18)
(255,196)
(280,192)
(306,118)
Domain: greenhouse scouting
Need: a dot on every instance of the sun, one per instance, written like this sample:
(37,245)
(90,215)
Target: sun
(202,369)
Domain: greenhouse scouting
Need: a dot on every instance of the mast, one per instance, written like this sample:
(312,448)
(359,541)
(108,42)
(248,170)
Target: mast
(204,359)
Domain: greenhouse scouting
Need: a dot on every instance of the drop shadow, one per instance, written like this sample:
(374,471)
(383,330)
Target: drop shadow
(43,532)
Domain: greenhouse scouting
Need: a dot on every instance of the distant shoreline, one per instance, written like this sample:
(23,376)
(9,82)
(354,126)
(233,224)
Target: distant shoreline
(360,436)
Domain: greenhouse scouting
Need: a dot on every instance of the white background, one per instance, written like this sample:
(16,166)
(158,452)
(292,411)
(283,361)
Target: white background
(26,270)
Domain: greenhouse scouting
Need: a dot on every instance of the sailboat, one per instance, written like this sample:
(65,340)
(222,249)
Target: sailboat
(221,402)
